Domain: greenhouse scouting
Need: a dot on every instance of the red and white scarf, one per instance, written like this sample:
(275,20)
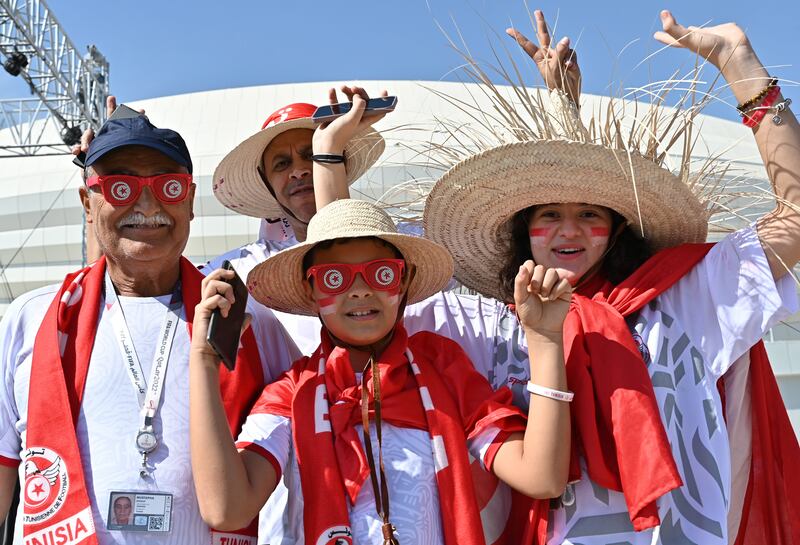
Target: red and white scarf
(56,502)
(427,383)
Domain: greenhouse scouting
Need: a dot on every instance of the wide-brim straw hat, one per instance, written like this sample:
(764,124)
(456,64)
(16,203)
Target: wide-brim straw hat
(278,281)
(237,183)
(469,209)
(530,147)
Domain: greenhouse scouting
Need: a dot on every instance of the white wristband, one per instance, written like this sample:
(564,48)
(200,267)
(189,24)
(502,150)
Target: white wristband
(549,392)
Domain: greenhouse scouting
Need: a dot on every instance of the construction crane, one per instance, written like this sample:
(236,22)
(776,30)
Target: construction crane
(69,89)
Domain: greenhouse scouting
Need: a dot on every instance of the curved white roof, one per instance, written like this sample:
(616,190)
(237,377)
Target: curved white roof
(41,218)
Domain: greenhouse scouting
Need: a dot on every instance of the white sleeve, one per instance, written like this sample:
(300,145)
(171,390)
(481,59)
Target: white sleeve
(269,435)
(234,256)
(18,330)
(245,258)
(730,299)
(276,348)
(478,446)
(10,443)
(469,320)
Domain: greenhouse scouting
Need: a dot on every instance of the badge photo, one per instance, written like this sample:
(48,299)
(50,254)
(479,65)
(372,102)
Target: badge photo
(132,511)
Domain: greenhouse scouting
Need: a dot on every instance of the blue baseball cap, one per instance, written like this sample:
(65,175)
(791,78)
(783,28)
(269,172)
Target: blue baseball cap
(138,131)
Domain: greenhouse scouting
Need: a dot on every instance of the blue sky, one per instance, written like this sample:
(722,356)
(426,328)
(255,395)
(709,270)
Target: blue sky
(167,47)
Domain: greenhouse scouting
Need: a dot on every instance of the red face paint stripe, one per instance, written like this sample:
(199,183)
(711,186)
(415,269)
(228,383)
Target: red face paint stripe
(539,231)
(599,232)
(326,301)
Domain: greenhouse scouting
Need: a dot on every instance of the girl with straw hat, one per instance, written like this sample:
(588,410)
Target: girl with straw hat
(659,322)
(650,343)
(424,409)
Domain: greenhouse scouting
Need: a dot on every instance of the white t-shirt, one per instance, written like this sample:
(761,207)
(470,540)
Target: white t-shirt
(692,334)
(273,237)
(304,330)
(410,475)
(109,414)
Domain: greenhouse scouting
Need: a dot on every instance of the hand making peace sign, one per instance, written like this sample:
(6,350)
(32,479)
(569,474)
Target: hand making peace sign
(559,66)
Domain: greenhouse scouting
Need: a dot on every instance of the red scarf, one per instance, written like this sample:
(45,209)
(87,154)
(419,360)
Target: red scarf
(427,383)
(615,412)
(56,505)
(771,511)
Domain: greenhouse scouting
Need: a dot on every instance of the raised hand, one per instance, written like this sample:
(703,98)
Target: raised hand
(719,44)
(216,293)
(542,299)
(333,137)
(725,46)
(559,66)
(88,134)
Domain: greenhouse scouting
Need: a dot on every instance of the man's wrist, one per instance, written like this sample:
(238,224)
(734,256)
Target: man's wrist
(328,150)
(326,146)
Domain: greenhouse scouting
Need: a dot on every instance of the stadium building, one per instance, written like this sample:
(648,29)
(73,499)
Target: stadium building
(42,223)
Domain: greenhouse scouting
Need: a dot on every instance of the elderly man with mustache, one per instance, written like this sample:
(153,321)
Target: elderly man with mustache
(95,370)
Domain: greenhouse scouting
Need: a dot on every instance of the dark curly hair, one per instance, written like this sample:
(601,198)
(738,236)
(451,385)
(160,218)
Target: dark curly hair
(628,253)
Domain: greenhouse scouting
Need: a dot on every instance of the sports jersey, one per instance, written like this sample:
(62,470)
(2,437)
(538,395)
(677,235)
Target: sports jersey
(412,455)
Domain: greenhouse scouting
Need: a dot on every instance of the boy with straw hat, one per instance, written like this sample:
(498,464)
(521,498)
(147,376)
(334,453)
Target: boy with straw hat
(422,407)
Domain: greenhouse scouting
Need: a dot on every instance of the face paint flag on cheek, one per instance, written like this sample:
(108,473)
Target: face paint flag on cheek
(538,235)
(599,236)
(327,305)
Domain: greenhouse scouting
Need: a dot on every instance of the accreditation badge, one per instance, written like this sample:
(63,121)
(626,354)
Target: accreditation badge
(140,511)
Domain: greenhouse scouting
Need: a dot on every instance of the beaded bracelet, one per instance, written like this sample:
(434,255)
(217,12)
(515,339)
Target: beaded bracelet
(544,391)
(754,119)
(743,107)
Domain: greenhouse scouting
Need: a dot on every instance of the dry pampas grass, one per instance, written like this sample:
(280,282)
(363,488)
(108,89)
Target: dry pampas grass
(658,121)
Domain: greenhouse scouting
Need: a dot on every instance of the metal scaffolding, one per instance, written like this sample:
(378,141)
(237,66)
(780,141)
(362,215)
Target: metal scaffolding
(69,90)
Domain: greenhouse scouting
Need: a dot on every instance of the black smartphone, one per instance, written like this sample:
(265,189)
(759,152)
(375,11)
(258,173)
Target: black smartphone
(223,333)
(375,106)
(121,112)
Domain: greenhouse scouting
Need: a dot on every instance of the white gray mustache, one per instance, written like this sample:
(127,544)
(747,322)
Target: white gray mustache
(137,219)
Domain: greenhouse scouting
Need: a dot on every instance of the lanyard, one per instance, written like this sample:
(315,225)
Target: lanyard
(149,397)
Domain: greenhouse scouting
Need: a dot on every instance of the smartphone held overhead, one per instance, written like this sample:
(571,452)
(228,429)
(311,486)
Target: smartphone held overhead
(375,106)
(124,112)
(224,331)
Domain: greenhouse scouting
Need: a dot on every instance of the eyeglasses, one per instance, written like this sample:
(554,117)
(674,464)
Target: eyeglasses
(336,278)
(119,189)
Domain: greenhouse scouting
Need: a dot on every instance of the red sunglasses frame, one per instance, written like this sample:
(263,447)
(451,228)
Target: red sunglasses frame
(157,184)
(349,271)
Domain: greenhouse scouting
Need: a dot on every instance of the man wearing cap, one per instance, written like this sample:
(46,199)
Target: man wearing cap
(96,369)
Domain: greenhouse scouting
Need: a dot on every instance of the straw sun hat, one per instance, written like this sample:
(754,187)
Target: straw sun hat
(544,154)
(278,281)
(237,183)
